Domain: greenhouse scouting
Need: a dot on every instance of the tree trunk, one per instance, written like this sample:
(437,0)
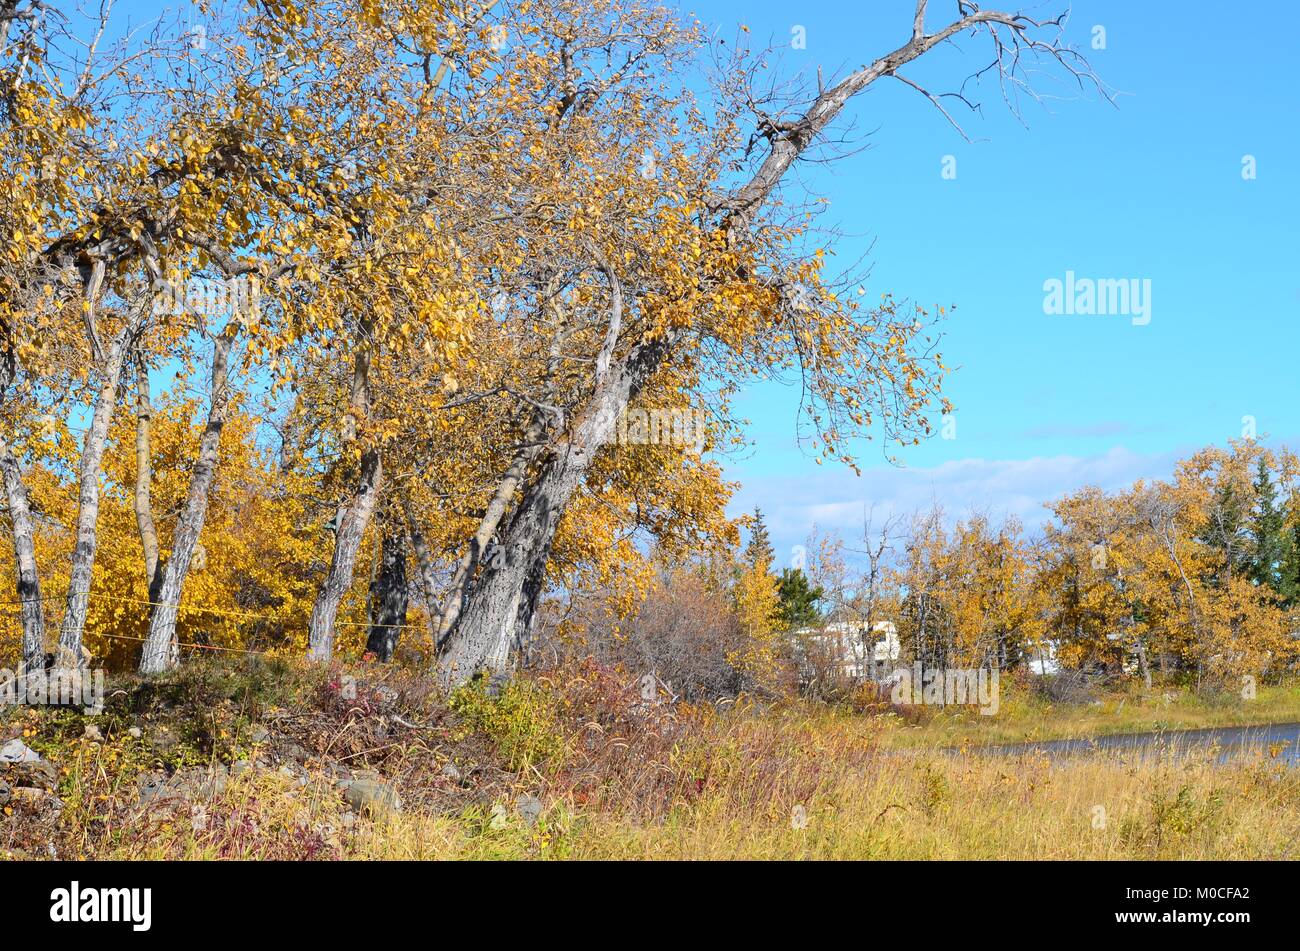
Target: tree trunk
(144,481)
(29,579)
(92,458)
(347,542)
(354,516)
(390,596)
(159,652)
(503,597)
(1143,666)
(454,601)
(424,568)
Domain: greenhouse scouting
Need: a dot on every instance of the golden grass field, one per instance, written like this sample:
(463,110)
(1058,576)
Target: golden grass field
(777,781)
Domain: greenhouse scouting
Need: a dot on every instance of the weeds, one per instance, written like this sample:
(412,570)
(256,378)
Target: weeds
(580,765)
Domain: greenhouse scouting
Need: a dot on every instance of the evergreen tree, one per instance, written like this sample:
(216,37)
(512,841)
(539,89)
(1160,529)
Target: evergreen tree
(759,551)
(1289,573)
(1269,534)
(798,600)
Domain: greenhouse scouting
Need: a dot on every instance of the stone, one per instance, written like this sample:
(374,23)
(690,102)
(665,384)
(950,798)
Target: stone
(196,782)
(163,739)
(134,732)
(371,796)
(37,798)
(451,773)
(155,789)
(294,752)
(337,773)
(295,774)
(259,734)
(202,783)
(496,684)
(16,751)
(23,770)
(529,808)
(5,793)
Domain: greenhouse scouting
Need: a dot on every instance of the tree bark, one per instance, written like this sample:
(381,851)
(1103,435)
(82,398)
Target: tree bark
(159,652)
(354,515)
(390,596)
(144,480)
(504,595)
(347,542)
(454,601)
(424,568)
(92,458)
(29,579)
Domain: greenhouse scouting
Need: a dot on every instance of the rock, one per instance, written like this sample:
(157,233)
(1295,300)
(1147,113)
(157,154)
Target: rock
(451,773)
(498,818)
(292,752)
(348,820)
(294,774)
(20,765)
(93,734)
(36,798)
(5,793)
(337,773)
(134,732)
(16,751)
(196,782)
(155,789)
(496,684)
(371,796)
(28,769)
(163,739)
(241,766)
(529,808)
(202,783)
(259,734)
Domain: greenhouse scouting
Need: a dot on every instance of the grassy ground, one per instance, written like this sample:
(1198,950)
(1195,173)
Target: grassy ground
(923,809)
(1025,716)
(568,767)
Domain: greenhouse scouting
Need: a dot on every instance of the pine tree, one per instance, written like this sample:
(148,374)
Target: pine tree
(1269,534)
(759,552)
(1289,572)
(799,597)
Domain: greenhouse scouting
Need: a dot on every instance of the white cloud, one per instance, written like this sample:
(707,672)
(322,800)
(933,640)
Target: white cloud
(838,499)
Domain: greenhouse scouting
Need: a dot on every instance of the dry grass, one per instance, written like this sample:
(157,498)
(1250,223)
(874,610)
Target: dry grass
(782,781)
(861,803)
(1024,716)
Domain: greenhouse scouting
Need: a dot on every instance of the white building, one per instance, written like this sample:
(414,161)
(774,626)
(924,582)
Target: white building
(1042,661)
(849,650)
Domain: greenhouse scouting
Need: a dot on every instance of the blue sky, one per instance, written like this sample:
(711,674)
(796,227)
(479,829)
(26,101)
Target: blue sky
(1151,190)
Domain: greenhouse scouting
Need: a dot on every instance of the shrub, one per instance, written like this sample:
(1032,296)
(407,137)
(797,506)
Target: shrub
(520,720)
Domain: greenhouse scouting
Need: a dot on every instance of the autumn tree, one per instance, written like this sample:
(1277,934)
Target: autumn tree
(700,278)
